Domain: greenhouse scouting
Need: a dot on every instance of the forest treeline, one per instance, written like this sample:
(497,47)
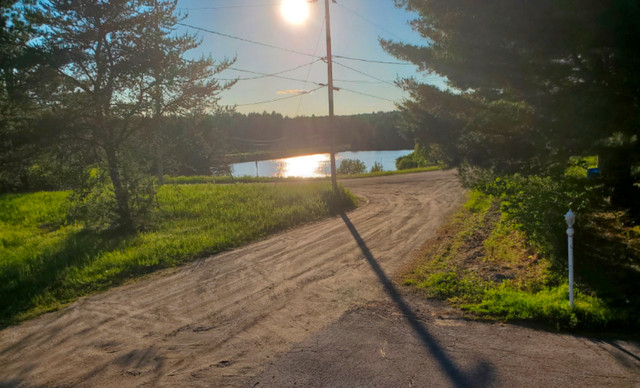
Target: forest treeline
(200,145)
(274,132)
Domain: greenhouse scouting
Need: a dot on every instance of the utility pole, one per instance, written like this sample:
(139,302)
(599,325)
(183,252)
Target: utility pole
(158,96)
(334,180)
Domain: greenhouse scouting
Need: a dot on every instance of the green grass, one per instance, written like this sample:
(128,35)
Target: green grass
(550,305)
(480,242)
(47,262)
(578,166)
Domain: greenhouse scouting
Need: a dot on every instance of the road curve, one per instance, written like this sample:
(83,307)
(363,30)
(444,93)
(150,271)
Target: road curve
(221,320)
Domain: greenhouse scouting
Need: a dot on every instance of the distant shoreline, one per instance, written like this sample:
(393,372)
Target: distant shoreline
(280,154)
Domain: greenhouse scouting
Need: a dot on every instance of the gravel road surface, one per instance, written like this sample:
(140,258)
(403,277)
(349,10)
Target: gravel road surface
(313,306)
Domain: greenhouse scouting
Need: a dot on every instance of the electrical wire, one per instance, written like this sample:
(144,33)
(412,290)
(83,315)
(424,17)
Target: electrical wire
(282,98)
(373,61)
(231,6)
(367,20)
(365,74)
(272,76)
(247,40)
(365,94)
(290,50)
(284,71)
(359,81)
(309,70)
(277,74)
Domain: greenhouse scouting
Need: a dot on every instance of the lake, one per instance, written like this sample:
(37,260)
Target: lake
(316,165)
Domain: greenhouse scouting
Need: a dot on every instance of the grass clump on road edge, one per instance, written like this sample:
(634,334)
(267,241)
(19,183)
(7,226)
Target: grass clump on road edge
(482,264)
(46,260)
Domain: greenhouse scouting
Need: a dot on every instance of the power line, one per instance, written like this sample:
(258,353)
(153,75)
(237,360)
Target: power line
(374,61)
(290,50)
(365,94)
(247,40)
(360,81)
(309,70)
(282,98)
(277,74)
(367,20)
(365,74)
(263,75)
(231,6)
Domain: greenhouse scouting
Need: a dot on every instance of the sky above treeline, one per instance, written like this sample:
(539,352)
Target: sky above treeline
(256,33)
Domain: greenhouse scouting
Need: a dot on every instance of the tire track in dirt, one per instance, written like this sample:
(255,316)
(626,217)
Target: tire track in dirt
(217,322)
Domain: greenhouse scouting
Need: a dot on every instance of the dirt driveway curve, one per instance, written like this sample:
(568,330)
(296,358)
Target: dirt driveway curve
(312,306)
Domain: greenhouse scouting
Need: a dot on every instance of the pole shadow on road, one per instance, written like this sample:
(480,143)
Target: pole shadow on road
(483,373)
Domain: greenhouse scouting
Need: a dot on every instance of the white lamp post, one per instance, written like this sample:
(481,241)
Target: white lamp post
(570,218)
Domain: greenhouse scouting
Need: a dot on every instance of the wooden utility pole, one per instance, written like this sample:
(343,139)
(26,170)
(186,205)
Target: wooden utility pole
(334,180)
(158,97)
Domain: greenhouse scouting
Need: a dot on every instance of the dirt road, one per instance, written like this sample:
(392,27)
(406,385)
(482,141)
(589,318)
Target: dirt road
(311,306)
(217,321)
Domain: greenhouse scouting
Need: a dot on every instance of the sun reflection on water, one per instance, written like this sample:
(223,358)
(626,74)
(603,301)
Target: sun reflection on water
(308,166)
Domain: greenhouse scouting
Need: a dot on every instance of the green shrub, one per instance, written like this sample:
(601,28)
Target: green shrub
(536,205)
(377,167)
(405,163)
(351,167)
(420,157)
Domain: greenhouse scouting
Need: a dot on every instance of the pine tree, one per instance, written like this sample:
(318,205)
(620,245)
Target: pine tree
(123,68)
(533,83)
(21,70)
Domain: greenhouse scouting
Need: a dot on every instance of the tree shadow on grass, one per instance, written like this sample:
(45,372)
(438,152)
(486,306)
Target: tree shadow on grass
(45,280)
(482,376)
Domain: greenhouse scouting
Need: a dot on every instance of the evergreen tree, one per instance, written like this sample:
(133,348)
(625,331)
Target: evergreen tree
(532,84)
(21,70)
(122,69)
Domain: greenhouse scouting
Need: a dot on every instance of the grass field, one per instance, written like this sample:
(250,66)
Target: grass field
(46,261)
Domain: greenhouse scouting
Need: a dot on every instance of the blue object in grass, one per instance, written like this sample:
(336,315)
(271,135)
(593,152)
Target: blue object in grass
(593,173)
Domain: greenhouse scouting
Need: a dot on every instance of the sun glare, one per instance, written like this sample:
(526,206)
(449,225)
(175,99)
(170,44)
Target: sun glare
(295,11)
(309,166)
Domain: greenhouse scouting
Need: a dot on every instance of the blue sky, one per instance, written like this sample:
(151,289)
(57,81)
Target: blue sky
(356,26)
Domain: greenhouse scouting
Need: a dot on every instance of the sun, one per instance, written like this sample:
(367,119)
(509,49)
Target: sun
(295,11)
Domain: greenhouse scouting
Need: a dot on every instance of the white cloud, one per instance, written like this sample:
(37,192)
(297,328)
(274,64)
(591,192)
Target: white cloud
(292,91)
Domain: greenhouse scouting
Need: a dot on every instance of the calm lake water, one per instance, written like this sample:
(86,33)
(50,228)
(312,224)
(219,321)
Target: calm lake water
(316,165)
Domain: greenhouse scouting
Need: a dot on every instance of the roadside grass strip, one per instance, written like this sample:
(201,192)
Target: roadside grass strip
(481,263)
(48,260)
